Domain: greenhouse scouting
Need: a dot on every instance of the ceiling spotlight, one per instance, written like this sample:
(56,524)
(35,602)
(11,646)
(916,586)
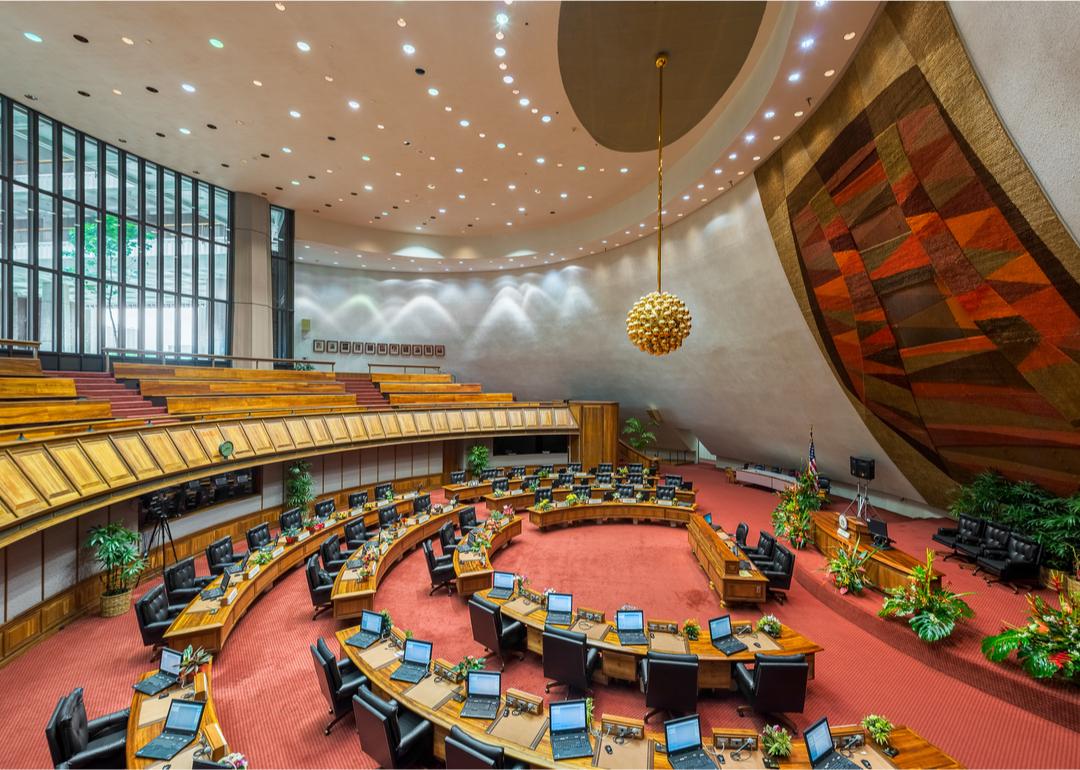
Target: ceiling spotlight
(188,87)
(442,211)
(502,19)
(545,119)
(127,41)
(756,157)
(821,3)
(295,182)
(750,138)
(540,161)
(769,115)
(303,46)
(732,156)
(409,49)
(185,131)
(580,168)
(511,186)
(294,113)
(623,170)
(718,170)
(459,170)
(829,73)
(563,195)
(500,52)
(286,150)
(401,22)
(433,92)
(776,138)
(216,43)
(508,79)
(365,157)
(118,92)
(686,197)
(461,196)
(807,43)
(257,83)
(501,145)
(794,77)
(280,6)
(799,113)
(521,209)
(353,104)
(368,187)
(701,185)
(328,78)
(849,36)
(523,102)
(502,66)
(463,123)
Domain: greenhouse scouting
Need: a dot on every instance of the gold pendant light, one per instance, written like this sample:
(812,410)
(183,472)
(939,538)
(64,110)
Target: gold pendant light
(659,322)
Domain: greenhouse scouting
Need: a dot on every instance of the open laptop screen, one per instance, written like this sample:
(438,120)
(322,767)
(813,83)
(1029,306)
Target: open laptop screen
(720,627)
(560,602)
(184,716)
(682,733)
(630,620)
(567,715)
(417,652)
(170,661)
(818,740)
(504,580)
(372,622)
(486,684)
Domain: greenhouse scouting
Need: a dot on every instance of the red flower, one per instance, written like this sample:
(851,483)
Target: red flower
(1060,659)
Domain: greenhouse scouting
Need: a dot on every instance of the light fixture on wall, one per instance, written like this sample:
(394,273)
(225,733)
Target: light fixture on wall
(660,321)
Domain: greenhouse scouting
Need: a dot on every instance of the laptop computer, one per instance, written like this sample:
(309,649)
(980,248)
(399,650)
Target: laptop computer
(820,749)
(560,609)
(371,625)
(568,730)
(484,693)
(502,585)
(167,674)
(233,569)
(414,663)
(630,626)
(722,638)
(683,739)
(181,727)
(217,593)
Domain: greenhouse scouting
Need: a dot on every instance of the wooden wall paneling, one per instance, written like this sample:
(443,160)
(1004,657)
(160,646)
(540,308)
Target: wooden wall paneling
(532,418)
(407,424)
(472,422)
(598,437)
(391,427)
(258,437)
(6,517)
(455,421)
(487,420)
(163,450)
(69,456)
(320,435)
(137,455)
(564,418)
(335,426)
(373,426)
(452,457)
(107,461)
(53,485)
(187,443)
(423,423)
(234,432)
(298,429)
(210,437)
(501,419)
(279,435)
(355,424)
(517,420)
(439,422)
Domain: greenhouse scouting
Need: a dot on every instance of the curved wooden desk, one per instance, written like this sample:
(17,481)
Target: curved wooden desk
(138,735)
(884,569)
(475,573)
(610,510)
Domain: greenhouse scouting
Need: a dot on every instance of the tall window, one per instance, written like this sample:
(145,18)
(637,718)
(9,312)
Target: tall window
(281,273)
(100,248)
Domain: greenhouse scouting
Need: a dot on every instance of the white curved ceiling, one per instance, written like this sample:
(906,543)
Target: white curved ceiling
(404,184)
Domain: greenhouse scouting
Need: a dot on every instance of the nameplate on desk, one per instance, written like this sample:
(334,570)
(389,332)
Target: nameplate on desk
(595,501)
(639,486)
(303,535)
(422,518)
(253,572)
(561,504)
(843,533)
(277,552)
(627,500)
(474,483)
(231,597)
(408,496)
(665,502)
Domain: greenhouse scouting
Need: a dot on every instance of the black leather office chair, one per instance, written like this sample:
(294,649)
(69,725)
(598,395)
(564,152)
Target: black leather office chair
(440,569)
(325,508)
(995,537)
(968,531)
(763,553)
(779,572)
(568,660)
(291,519)
(467,753)
(355,533)
(492,630)
(181,584)
(358,499)
(387,515)
(76,742)
(220,554)
(467,520)
(741,532)
(447,539)
(338,679)
(155,615)
(776,686)
(1018,561)
(333,559)
(320,584)
(670,683)
(258,536)
(392,736)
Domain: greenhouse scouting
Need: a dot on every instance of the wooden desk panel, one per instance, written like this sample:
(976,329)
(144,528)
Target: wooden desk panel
(885,569)
(476,576)
(714,553)
(138,736)
(609,510)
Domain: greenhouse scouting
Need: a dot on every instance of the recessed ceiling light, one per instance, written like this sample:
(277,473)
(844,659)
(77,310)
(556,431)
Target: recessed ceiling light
(545,119)
(521,209)
(188,87)
(623,170)
(794,77)
(33,37)
(185,131)
(294,113)
(717,170)
(750,138)
(806,43)
(463,123)
(433,92)
(380,126)
(701,185)
(280,6)
(502,66)
(756,157)
(540,161)
(328,78)
(127,41)
(286,150)
(257,83)
(511,186)
(118,92)
(295,183)
(580,168)
(303,46)
(501,145)
(799,113)
(442,211)
(535,110)
(500,51)
(482,135)
(353,104)
(368,187)
(686,197)
(563,195)
(365,157)
(821,3)
(523,102)
(459,170)
(740,173)
(461,196)
(732,156)
(829,73)
(769,115)
(401,22)
(508,79)
(216,43)
(502,19)
(409,49)
(776,138)
(849,36)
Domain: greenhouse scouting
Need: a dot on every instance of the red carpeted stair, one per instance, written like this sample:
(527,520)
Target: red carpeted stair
(102,386)
(361,386)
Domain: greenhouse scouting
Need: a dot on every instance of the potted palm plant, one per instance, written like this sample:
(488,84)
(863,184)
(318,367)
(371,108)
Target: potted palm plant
(117,550)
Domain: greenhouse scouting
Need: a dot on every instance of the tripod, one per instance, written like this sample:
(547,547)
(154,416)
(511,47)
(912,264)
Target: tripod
(861,502)
(162,534)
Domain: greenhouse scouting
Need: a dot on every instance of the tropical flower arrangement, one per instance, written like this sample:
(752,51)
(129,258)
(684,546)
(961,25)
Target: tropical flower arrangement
(1048,645)
(311,525)
(769,624)
(261,557)
(191,660)
(791,517)
(572,499)
(878,727)
(544,505)
(499,493)
(543,473)
(691,629)
(235,760)
(622,471)
(775,741)
(932,612)
(389,496)
(848,568)
(508,511)
(387,621)
(467,664)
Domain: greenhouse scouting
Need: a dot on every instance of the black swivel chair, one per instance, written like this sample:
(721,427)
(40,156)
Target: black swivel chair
(155,615)
(776,686)
(392,736)
(258,536)
(764,552)
(568,660)
(220,554)
(779,572)
(741,532)
(492,630)
(670,683)
(355,533)
(447,539)
(339,681)
(76,742)
(1017,562)
(995,537)
(320,584)
(467,520)
(291,519)
(440,569)
(332,557)
(467,753)
(968,531)
(181,584)
(387,515)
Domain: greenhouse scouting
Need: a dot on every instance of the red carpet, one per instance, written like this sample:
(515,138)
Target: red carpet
(272,710)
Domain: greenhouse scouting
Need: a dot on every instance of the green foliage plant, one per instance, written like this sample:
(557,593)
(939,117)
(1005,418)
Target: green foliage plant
(776,741)
(117,549)
(1048,645)
(792,516)
(299,486)
(637,435)
(848,568)
(932,612)
(878,727)
(477,459)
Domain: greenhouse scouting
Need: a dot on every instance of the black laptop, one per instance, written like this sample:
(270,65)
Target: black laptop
(502,585)
(630,626)
(233,569)
(484,692)
(560,609)
(166,676)
(217,593)
(568,730)
(820,749)
(414,663)
(181,727)
(683,739)
(721,636)
(371,625)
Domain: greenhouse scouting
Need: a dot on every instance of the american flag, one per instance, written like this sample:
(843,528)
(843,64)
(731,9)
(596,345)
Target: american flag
(811,463)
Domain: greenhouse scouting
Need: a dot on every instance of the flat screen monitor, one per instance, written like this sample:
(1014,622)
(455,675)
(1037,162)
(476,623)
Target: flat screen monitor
(357,499)
(500,485)
(625,491)
(665,492)
(567,715)
(504,580)
(184,716)
(708,518)
(878,528)
(417,651)
(818,740)
(542,494)
(682,734)
(372,622)
(630,620)
(170,661)
(560,602)
(382,490)
(457,477)
(486,684)
(720,627)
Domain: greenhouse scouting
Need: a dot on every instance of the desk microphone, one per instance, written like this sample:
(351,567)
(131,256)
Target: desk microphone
(746,744)
(849,743)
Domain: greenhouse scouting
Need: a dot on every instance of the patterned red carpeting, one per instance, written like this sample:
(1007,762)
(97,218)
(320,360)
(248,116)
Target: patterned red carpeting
(271,707)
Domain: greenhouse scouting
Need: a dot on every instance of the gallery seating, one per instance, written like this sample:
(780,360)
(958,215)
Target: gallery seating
(75,742)
(670,683)
(492,630)
(339,681)
(392,736)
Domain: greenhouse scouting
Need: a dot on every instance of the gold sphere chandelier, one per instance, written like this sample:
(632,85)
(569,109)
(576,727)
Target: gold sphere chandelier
(660,321)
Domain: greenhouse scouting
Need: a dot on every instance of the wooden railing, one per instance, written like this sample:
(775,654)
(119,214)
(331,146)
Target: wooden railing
(404,367)
(213,358)
(627,454)
(10,345)
(676,456)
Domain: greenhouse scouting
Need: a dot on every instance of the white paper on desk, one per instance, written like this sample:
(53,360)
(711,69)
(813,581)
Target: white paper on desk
(253,572)
(303,535)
